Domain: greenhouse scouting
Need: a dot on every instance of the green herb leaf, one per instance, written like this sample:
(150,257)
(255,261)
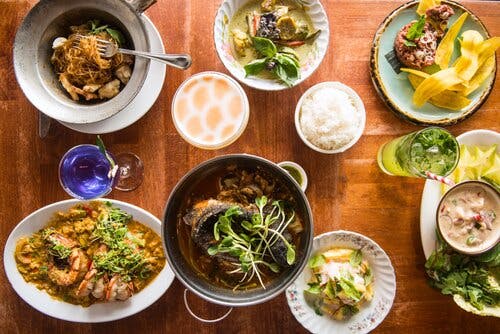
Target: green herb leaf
(416,29)
(314,288)
(264,46)
(216,231)
(116,35)
(316,261)
(409,43)
(290,255)
(275,268)
(368,276)
(261,202)
(476,281)
(287,69)
(280,72)
(212,250)
(247,225)
(356,258)
(255,66)
(349,310)
(102,148)
(94,27)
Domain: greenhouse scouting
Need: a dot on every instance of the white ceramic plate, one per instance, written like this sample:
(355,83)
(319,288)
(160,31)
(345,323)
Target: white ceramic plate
(371,314)
(223,43)
(142,102)
(432,192)
(100,312)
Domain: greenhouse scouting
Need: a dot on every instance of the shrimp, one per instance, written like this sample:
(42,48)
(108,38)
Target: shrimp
(88,284)
(68,274)
(59,239)
(117,289)
(99,287)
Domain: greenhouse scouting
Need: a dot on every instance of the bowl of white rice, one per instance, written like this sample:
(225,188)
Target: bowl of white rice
(330,117)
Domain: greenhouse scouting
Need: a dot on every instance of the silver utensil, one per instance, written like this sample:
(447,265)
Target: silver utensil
(44,123)
(108,49)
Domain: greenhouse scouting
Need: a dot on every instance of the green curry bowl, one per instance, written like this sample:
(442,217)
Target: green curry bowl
(271,46)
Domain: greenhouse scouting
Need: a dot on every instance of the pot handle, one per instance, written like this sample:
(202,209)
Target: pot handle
(200,318)
(140,5)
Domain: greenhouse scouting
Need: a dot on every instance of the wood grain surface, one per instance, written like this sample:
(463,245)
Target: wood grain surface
(346,191)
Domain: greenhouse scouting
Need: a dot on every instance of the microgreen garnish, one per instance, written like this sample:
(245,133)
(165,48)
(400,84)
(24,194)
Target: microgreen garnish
(102,148)
(124,256)
(283,63)
(252,249)
(416,29)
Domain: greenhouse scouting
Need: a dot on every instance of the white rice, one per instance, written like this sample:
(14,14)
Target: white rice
(329,118)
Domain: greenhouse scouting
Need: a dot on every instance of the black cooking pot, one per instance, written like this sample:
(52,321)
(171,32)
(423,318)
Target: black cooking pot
(183,270)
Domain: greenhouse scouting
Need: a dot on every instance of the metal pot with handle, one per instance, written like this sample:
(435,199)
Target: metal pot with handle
(49,19)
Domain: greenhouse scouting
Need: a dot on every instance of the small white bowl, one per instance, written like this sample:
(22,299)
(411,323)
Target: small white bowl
(358,104)
(299,169)
(372,313)
(222,38)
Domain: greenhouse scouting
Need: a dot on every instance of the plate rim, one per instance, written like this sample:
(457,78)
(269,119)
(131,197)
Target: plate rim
(381,90)
(164,279)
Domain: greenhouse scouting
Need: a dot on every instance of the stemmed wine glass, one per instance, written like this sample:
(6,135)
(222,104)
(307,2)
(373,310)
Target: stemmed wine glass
(90,171)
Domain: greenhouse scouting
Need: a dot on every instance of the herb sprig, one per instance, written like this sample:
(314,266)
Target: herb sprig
(55,249)
(415,31)
(473,278)
(253,247)
(116,34)
(102,148)
(123,256)
(283,62)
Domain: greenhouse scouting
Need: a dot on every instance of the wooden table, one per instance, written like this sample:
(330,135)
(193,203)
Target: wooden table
(346,191)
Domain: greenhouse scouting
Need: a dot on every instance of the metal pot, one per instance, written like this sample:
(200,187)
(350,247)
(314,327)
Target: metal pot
(49,19)
(183,270)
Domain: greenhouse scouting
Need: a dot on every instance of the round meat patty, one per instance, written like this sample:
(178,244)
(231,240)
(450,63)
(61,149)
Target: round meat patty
(424,51)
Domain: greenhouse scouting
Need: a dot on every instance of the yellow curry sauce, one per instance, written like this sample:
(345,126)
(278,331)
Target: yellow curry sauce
(92,250)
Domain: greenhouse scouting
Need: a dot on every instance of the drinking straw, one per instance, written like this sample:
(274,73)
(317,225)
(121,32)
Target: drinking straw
(442,179)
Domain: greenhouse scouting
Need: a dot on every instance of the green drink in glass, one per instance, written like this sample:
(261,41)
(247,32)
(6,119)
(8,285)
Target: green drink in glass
(432,150)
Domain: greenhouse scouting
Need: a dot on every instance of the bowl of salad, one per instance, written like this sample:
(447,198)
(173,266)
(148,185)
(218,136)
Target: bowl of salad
(271,44)
(349,285)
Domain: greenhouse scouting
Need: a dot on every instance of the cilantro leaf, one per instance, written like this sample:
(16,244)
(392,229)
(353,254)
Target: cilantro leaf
(416,29)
